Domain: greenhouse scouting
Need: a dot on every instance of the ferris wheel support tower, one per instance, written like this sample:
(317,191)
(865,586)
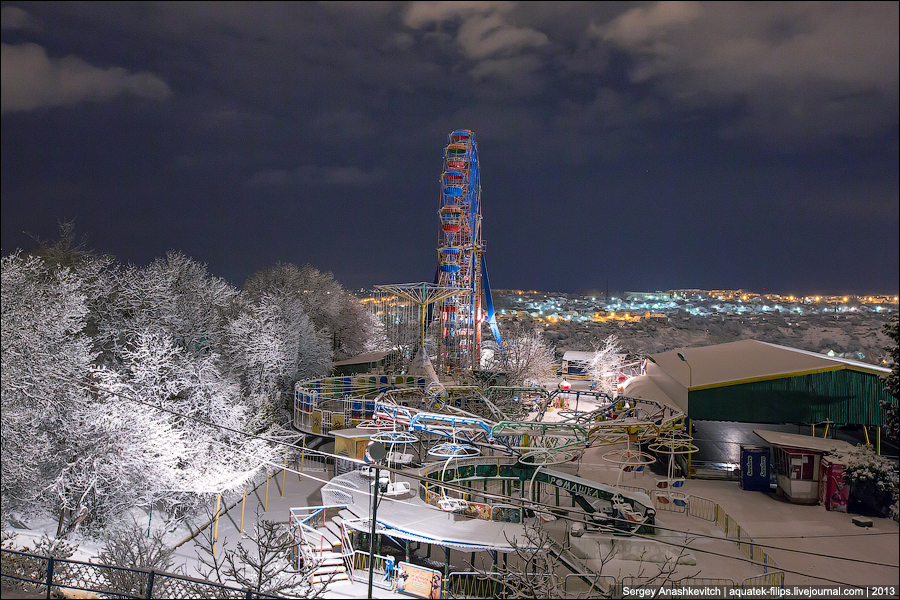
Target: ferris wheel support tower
(461,258)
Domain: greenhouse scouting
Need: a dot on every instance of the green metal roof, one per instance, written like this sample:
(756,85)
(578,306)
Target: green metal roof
(843,396)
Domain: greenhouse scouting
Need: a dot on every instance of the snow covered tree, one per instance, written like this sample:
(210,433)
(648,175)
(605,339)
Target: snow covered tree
(45,357)
(532,572)
(333,312)
(872,479)
(892,381)
(608,361)
(272,343)
(262,562)
(174,294)
(133,547)
(527,356)
(187,450)
(257,347)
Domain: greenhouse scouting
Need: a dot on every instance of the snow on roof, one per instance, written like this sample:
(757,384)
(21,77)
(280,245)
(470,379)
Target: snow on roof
(748,360)
(576,356)
(360,359)
(644,388)
(805,442)
(421,365)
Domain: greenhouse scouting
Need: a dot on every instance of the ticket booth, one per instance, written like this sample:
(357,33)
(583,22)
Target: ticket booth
(352,444)
(797,463)
(797,471)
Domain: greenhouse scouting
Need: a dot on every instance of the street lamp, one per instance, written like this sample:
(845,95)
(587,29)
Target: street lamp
(376,452)
(690,370)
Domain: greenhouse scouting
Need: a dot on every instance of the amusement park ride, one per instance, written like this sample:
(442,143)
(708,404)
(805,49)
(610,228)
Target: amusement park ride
(452,305)
(461,261)
(470,449)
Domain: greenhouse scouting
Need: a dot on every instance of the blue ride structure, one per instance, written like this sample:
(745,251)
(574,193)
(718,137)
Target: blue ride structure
(461,259)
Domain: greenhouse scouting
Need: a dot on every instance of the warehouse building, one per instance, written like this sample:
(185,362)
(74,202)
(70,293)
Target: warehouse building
(727,390)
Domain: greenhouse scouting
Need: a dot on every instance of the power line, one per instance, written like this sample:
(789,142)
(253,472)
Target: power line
(465,490)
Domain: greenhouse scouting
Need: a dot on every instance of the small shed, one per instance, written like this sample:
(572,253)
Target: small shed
(797,461)
(575,365)
(352,444)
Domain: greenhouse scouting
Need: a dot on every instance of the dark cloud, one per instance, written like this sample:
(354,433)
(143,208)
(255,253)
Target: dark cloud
(656,145)
(30,80)
(797,69)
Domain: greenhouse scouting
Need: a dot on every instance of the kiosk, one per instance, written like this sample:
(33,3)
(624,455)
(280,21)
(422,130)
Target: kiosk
(797,462)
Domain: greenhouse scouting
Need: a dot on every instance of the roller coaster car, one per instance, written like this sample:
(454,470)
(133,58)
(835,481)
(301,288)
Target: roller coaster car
(508,513)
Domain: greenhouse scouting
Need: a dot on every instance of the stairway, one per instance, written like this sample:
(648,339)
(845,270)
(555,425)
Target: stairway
(324,546)
(330,569)
(574,564)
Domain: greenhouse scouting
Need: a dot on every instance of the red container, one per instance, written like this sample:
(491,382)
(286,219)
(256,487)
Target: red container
(832,491)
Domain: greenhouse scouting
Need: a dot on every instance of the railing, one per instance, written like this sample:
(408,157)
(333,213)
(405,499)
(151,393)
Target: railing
(380,577)
(772,581)
(43,573)
(473,584)
(469,584)
(304,522)
(669,501)
(703,508)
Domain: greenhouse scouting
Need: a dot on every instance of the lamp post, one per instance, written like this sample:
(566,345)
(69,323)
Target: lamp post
(376,453)
(690,370)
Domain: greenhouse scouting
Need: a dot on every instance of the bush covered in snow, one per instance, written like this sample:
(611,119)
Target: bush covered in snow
(872,479)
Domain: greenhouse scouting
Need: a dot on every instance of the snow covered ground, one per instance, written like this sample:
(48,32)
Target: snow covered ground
(813,546)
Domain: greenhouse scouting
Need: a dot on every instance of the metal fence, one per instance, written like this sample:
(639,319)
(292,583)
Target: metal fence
(43,573)
(703,508)
(472,584)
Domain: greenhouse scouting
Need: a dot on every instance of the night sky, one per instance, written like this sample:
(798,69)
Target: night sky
(640,146)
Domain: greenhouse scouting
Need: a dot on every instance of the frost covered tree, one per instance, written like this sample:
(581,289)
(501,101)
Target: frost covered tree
(892,381)
(44,355)
(174,294)
(263,561)
(605,366)
(273,343)
(187,450)
(132,547)
(336,314)
(128,387)
(528,357)
(532,571)
(872,479)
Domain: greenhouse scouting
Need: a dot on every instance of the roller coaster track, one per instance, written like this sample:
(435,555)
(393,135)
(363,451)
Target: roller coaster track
(610,424)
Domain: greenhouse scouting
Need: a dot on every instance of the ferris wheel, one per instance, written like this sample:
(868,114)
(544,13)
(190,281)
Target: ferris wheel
(461,257)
